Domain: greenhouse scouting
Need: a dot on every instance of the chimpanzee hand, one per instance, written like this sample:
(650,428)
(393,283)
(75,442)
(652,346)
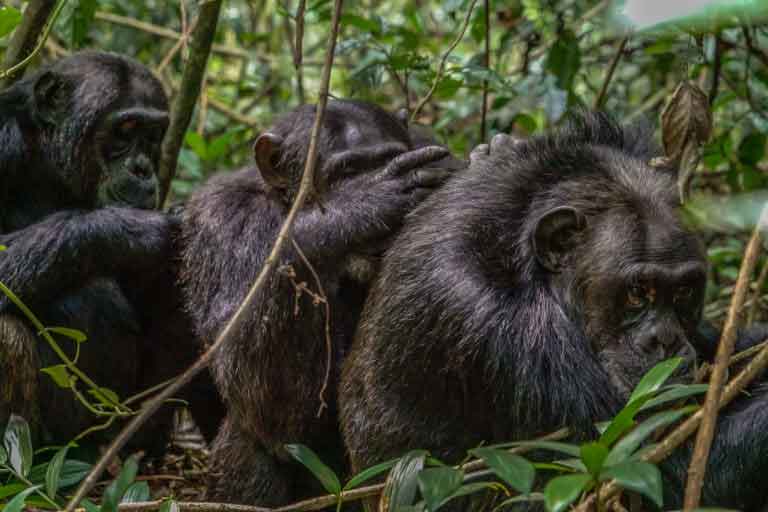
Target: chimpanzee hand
(498,141)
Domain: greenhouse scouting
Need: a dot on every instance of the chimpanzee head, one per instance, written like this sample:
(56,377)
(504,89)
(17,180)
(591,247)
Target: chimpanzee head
(608,239)
(356,137)
(94,122)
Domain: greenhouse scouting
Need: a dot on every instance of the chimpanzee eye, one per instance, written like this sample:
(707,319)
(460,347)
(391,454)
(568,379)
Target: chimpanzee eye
(126,127)
(636,297)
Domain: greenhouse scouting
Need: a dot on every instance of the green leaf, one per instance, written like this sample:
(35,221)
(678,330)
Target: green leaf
(137,492)
(566,448)
(438,484)
(60,375)
(219,146)
(53,472)
(17,503)
(9,19)
(655,378)
(3,456)
(72,473)
(525,122)
(675,393)
(564,60)
(638,476)
(89,506)
(18,444)
(169,506)
(82,17)
(447,88)
(627,445)
(533,497)
(516,471)
(73,334)
(593,455)
(402,484)
(116,489)
(364,24)
(561,491)
(11,490)
(3,248)
(197,143)
(752,148)
(105,395)
(311,461)
(369,473)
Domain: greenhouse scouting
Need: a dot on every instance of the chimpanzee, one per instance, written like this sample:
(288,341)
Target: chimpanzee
(79,146)
(271,373)
(531,293)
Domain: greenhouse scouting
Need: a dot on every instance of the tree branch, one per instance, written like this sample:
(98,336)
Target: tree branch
(241,314)
(189,91)
(609,76)
(487,64)
(26,36)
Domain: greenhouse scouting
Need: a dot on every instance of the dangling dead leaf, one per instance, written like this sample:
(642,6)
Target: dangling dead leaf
(686,124)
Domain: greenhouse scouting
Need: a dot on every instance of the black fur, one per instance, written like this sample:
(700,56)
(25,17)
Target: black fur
(84,250)
(469,336)
(271,372)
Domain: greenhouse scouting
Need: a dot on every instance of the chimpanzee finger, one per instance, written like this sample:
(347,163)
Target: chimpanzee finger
(429,178)
(503,140)
(355,160)
(414,159)
(480,152)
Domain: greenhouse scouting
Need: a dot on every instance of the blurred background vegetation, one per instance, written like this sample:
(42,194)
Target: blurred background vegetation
(546,57)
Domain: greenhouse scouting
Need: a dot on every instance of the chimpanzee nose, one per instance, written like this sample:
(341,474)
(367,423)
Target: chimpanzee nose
(141,171)
(658,341)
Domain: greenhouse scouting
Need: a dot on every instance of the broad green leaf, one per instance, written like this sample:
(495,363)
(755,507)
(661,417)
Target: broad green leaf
(219,146)
(629,443)
(197,143)
(438,484)
(82,17)
(752,148)
(138,491)
(60,375)
(402,484)
(312,462)
(115,490)
(73,334)
(525,122)
(561,491)
(105,395)
(534,496)
(593,455)
(564,59)
(169,506)
(369,473)
(17,503)
(53,473)
(3,248)
(11,490)
(655,378)
(675,393)
(638,476)
(89,506)
(72,473)
(9,19)
(516,471)
(18,444)
(365,24)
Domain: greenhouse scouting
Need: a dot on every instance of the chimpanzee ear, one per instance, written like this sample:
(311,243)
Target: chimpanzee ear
(267,151)
(403,116)
(51,97)
(555,235)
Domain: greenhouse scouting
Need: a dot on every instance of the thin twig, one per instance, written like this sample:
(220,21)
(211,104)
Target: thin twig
(609,75)
(704,437)
(328,340)
(39,46)
(441,68)
(487,64)
(471,470)
(26,35)
(716,67)
(235,323)
(298,48)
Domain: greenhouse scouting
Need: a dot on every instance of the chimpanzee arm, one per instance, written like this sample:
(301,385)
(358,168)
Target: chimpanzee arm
(67,248)
(735,476)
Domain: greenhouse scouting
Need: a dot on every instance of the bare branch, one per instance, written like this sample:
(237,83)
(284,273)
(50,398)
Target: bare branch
(26,36)
(487,64)
(609,76)
(241,314)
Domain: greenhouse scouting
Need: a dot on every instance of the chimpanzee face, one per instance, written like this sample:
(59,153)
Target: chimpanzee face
(633,281)
(102,118)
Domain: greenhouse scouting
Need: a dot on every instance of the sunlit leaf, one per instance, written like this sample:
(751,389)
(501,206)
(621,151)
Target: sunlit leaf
(10,17)
(18,443)
(561,491)
(655,378)
(60,375)
(516,471)
(105,395)
(311,461)
(674,394)
(402,483)
(637,476)
(73,334)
